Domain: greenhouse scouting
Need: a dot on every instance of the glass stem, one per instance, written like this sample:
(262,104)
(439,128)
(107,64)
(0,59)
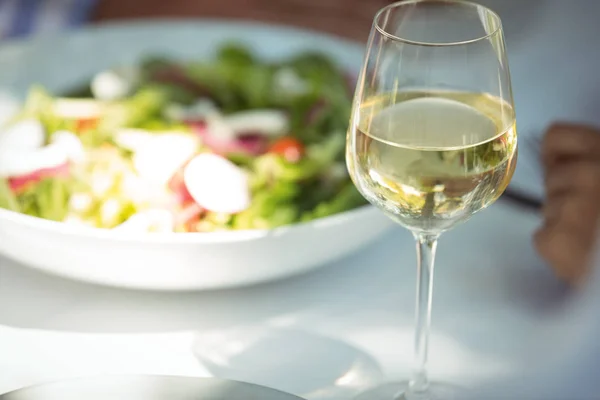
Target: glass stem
(426,246)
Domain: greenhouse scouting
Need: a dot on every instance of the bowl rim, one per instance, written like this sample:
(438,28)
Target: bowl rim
(187,22)
(63,228)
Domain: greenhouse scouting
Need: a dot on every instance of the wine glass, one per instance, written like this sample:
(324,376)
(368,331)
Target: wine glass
(432,137)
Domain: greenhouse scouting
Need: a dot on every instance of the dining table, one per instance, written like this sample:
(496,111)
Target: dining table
(327,334)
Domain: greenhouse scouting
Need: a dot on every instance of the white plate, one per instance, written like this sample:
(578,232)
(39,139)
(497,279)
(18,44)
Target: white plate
(148,388)
(171,262)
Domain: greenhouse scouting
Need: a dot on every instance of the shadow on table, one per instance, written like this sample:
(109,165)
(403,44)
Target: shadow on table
(291,360)
(30,299)
(491,294)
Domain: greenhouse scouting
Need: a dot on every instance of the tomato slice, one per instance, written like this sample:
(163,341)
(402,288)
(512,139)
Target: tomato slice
(291,149)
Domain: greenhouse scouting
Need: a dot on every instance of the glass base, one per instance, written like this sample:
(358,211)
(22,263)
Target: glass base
(397,391)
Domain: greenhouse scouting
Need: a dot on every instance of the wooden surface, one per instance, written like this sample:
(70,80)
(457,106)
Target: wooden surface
(349,18)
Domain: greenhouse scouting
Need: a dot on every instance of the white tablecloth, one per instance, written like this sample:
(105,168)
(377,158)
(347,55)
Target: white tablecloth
(324,335)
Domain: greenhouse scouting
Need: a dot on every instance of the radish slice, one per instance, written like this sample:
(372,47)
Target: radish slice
(18,183)
(241,131)
(253,144)
(19,163)
(199,111)
(27,134)
(22,159)
(217,184)
(153,220)
(160,158)
(71,145)
(271,123)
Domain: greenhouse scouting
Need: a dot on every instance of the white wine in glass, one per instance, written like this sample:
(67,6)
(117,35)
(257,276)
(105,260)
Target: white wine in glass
(432,137)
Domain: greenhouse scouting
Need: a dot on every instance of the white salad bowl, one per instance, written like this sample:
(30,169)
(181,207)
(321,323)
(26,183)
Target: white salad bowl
(185,261)
(170,261)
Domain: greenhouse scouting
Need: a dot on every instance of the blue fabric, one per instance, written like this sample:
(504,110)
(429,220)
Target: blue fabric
(81,12)
(24,16)
(25,13)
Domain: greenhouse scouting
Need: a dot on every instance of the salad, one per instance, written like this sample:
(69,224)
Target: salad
(185,146)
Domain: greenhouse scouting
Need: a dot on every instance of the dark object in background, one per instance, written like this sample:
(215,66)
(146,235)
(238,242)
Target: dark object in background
(348,18)
(522,200)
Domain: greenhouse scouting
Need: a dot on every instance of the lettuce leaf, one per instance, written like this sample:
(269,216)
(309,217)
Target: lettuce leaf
(132,112)
(8,200)
(347,199)
(48,199)
(270,207)
(39,105)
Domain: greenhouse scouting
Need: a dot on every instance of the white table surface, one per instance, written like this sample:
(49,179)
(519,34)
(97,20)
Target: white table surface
(491,292)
